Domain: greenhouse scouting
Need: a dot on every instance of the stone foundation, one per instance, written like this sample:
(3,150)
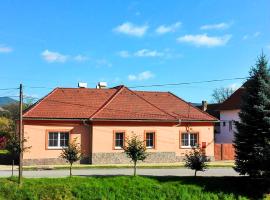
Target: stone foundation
(121,158)
(51,161)
(111,158)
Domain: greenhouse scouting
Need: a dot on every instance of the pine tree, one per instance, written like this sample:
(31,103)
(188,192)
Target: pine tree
(252,138)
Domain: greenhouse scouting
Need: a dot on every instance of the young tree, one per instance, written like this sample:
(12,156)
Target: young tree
(71,154)
(252,139)
(221,94)
(136,150)
(13,147)
(196,160)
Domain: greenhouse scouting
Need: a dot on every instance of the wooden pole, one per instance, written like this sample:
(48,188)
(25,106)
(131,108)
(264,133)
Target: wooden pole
(21,135)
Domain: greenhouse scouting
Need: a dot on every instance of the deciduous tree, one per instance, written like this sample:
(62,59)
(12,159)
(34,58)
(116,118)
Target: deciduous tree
(196,160)
(136,150)
(71,154)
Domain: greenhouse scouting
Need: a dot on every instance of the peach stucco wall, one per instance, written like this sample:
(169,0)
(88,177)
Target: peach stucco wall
(35,133)
(101,134)
(167,137)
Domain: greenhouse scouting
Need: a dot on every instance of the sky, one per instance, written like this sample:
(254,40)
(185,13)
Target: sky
(48,44)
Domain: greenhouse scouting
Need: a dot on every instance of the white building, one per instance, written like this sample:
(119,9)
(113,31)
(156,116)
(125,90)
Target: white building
(229,111)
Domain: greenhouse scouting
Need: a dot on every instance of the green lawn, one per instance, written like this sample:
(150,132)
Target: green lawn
(127,187)
(2,151)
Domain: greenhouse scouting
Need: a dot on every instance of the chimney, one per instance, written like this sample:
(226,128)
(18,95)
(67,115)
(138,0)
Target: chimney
(101,85)
(82,85)
(204,105)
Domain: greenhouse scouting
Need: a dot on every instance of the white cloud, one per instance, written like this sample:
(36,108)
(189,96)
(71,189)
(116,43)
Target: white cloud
(249,36)
(220,26)
(131,29)
(245,37)
(141,76)
(54,57)
(103,62)
(5,49)
(80,58)
(235,86)
(51,56)
(144,53)
(256,34)
(124,54)
(205,40)
(167,29)
(148,53)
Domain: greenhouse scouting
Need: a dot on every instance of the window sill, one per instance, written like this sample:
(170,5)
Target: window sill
(188,147)
(150,147)
(118,148)
(55,148)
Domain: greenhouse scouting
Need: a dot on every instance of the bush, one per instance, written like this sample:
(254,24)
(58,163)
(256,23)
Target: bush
(196,160)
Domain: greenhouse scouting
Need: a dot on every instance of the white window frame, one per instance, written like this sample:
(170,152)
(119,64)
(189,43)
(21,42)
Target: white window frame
(58,139)
(154,139)
(115,133)
(189,146)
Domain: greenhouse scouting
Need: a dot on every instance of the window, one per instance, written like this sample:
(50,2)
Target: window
(224,123)
(230,126)
(119,138)
(58,139)
(189,139)
(150,140)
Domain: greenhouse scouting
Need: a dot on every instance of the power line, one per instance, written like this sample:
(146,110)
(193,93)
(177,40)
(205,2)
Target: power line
(160,85)
(188,83)
(9,88)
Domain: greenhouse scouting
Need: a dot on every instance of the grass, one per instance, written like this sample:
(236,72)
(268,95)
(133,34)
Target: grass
(126,187)
(3,151)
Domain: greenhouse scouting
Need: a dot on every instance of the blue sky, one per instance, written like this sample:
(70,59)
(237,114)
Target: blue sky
(59,43)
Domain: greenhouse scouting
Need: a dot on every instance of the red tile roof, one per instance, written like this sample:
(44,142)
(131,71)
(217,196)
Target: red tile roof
(119,103)
(234,101)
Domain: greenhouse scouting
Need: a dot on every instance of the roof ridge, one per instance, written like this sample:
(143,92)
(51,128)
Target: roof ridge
(107,102)
(151,103)
(193,106)
(39,101)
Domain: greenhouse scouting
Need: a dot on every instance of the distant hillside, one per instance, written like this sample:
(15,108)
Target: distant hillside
(6,100)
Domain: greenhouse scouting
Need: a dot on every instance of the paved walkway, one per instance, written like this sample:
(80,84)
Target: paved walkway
(122,171)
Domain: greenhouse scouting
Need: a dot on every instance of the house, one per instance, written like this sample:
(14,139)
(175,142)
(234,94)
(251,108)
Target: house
(212,109)
(102,118)
(229,113)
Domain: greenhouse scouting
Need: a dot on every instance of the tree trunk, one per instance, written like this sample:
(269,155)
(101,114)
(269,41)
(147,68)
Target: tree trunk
(12,168)
(195,173)
(70,170)
(135,168)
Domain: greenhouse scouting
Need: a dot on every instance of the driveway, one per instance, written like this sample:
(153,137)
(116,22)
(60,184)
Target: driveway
(122,171)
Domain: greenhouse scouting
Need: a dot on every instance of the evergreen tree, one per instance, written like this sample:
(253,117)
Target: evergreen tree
(252,138)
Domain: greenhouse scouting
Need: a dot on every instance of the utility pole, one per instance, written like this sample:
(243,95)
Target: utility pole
(21,135)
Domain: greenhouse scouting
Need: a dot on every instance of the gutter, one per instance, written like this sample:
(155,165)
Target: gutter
(117,120)
(53,119)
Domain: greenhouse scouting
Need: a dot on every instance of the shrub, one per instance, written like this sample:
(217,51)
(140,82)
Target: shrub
(196,160)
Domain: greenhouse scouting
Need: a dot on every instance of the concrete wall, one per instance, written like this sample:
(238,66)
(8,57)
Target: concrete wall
(226,135)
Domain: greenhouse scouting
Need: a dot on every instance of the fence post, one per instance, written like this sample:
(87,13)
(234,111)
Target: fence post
(221,152)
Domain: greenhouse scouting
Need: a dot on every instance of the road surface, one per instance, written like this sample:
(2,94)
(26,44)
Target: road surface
(122,171)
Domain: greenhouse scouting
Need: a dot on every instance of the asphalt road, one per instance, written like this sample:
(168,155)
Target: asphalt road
(122,171)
